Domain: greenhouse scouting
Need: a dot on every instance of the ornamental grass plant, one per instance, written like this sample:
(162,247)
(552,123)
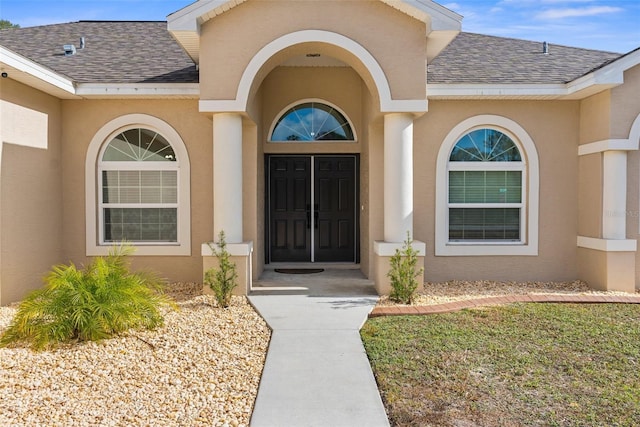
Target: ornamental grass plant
(97,302)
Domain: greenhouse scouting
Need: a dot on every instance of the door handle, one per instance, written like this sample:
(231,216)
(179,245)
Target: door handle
(315,216)
(308,217)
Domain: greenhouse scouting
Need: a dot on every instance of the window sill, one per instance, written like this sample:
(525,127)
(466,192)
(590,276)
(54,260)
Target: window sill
(144,250)
(485,249)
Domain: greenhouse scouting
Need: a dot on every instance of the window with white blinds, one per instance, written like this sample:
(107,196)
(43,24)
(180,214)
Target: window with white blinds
(138,183)
(485,186)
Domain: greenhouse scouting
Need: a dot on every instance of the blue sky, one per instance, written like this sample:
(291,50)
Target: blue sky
(612,25)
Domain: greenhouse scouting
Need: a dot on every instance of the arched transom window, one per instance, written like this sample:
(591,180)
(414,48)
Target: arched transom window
(485,188)
(312,121)
(138,186)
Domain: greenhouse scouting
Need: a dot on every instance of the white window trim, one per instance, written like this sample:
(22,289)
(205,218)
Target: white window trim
(530,192)
(100,139)
(316,101)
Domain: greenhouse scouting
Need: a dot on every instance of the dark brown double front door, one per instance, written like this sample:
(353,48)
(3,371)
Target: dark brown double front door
(312,204)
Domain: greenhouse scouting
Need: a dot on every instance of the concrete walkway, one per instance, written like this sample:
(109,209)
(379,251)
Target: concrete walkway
(316,372)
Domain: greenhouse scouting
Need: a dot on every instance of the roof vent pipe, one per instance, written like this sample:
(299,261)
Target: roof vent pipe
(81,42)
(545,48)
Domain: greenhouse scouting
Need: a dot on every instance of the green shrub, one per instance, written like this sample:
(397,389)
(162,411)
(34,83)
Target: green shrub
(222,280)
(403,273)
(88,305)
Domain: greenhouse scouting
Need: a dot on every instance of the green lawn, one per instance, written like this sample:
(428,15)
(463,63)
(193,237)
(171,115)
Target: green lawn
(517,365)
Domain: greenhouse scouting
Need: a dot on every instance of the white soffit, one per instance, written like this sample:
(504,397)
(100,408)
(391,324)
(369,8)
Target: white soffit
(514,91)
(35,75)
(442,24)
(139,90)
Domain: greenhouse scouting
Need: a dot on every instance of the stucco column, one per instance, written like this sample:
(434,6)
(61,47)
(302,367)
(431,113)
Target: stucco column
(227,176)
(614,195)
(398,176)
(398,198)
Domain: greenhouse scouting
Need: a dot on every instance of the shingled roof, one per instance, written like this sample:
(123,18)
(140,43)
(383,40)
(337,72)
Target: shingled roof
(145,52)
(115,52)
(481,59)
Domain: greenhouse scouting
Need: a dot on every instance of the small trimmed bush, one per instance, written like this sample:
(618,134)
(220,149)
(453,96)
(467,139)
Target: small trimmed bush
(95,303)
(403,273)
(224,279)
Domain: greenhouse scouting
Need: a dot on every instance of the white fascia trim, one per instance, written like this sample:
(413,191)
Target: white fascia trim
(607,145)
(234,249)
(436,17)
(443,90)
(138,89)
(191,17)
(607,245)
(610,75)
(382,248)
(36,70)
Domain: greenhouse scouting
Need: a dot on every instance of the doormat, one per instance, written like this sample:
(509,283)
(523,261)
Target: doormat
(299,270)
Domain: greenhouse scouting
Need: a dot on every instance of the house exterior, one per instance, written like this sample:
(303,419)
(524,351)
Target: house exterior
(308,137)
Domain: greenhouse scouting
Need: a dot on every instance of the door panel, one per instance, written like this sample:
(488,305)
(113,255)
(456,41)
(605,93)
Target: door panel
(335,190)
(330,223)
(289,196)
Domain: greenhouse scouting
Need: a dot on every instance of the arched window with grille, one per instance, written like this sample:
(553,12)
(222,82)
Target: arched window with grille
(312,121)
(487,190)
(138,168)
(138,185)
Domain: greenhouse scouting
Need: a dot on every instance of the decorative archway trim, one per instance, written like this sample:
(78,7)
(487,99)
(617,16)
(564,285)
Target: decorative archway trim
(634,134)
(111,129)
(525,143)
(387,105)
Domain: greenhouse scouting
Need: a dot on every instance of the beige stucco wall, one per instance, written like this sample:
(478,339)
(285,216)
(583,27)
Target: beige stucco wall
(590,195)
(553,126)
(381,29)
(625,107)
(607,270)
(595,123)
(625,103)
(608,115)
(30,189)
(82,119)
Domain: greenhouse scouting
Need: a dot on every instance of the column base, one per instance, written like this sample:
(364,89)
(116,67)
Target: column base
(241,254)
(607,265)
(383,251)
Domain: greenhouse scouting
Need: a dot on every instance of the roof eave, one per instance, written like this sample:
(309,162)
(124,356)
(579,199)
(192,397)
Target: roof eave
(32,74)
(139,90)
(561,91)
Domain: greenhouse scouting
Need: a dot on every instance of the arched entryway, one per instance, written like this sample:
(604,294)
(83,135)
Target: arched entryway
(311,199)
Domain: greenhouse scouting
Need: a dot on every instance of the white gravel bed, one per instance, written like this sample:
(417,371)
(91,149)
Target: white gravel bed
(457,290)
(201,369)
